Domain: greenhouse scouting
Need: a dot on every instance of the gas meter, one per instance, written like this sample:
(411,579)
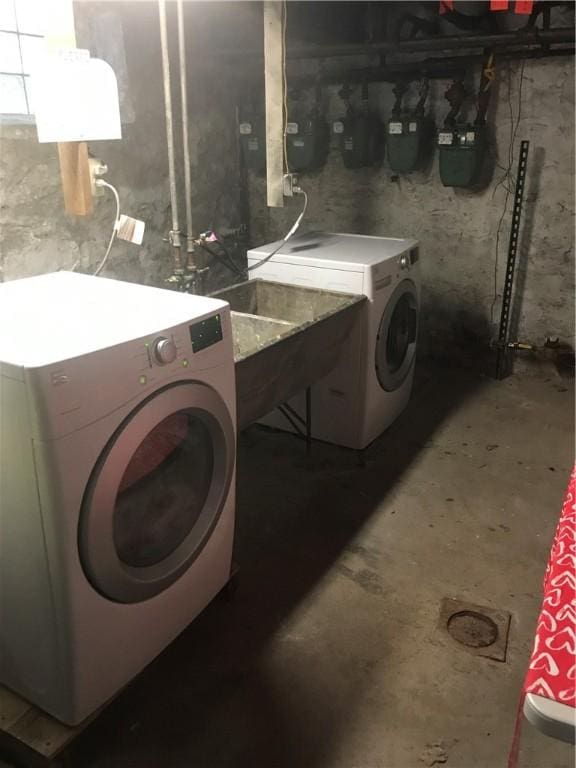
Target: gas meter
(253,142)
(461,149)
(307,141)
(409,135)
(463,146)
(360,135)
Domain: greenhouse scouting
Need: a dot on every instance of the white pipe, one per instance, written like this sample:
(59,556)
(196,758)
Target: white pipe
(185,142)
(175,233)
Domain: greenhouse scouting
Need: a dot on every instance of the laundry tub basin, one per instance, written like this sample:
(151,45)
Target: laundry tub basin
(286,337)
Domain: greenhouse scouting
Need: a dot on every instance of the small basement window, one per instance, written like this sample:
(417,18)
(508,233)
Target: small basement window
(21,42)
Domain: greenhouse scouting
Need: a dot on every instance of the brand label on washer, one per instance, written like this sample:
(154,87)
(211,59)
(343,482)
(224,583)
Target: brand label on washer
(292,128)
(245,129)
(445,137)
(395,128)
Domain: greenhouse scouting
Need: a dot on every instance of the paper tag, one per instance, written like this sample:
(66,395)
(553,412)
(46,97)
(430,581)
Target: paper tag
(412,127)
(445,138)
(470,137)
(394,128)
(130,229)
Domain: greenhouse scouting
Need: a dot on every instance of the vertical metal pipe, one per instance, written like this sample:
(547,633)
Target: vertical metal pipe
(274,100)
(185,141)
(175,232)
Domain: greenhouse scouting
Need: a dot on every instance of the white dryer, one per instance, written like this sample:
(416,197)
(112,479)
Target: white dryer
(117,480)
(371,384)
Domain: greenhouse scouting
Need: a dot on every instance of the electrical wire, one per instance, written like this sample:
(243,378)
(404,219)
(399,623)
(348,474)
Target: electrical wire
(225,260)
(102,183)
(507,179)
(287,237)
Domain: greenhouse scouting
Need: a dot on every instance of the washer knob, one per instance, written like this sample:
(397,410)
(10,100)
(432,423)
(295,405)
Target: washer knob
(404,261)
(164,350)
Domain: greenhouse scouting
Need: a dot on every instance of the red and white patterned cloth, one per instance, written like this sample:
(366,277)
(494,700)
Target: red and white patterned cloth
(552,669)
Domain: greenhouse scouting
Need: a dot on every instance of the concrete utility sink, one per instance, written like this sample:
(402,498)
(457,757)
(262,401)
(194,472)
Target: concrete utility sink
(251,333)
(285,338)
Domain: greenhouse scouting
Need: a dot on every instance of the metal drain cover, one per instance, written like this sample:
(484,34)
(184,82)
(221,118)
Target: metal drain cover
(476,628)
(472,629)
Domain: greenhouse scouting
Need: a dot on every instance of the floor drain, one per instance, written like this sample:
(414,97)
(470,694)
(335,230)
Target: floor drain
(477,629)
(472,629)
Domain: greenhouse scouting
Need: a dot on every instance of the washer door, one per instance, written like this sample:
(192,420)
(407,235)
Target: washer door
(156,492)
(396,340)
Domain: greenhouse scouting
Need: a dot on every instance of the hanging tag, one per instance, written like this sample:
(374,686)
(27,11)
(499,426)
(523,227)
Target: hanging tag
(130,229)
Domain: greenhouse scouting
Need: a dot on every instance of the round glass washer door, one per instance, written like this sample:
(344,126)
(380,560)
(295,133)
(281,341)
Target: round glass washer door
(157,492)
(396,339)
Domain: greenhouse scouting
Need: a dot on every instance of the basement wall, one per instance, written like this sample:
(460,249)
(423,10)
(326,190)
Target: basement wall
(37,236)
(458,228)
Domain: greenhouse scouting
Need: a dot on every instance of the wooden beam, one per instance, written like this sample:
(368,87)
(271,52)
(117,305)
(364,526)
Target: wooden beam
(274,94)
(75,175)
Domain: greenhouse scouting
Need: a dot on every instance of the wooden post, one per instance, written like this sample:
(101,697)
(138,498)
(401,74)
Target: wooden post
(274,94)
(75,175)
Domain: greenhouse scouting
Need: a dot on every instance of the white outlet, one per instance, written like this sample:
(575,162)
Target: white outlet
(97,170)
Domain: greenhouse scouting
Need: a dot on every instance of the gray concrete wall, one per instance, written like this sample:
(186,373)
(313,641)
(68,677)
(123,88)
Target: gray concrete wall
(36,235)
(457,228)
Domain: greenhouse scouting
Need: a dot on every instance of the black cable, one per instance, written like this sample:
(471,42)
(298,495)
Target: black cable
(222,259)
(225,250)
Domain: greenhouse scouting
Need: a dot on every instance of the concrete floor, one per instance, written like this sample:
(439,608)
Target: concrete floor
(328,656)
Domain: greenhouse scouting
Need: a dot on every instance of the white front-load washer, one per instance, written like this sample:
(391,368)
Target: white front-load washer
(117,480)
(371,384)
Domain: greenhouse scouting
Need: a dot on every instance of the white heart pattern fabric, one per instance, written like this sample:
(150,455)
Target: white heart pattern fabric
(545,661)
(552,669)
(547,621)
(563,640)
(541,688)
(553,598)
(564,577)
(567,613)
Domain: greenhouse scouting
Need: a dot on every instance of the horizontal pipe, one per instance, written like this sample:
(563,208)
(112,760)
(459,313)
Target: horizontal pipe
(444,43)
(435,68)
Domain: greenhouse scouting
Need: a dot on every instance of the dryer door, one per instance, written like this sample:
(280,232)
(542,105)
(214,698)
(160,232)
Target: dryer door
(157,492)
(396,340)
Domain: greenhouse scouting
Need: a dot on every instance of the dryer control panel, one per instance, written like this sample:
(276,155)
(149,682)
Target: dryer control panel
(206,332)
